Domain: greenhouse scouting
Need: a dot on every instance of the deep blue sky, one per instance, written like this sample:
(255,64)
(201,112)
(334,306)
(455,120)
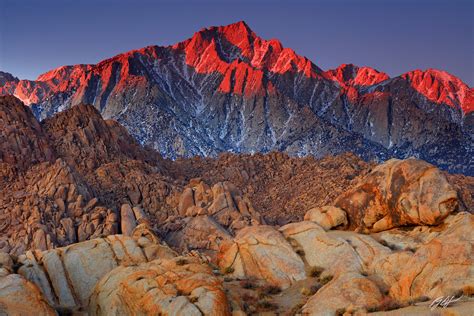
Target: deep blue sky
(392,36)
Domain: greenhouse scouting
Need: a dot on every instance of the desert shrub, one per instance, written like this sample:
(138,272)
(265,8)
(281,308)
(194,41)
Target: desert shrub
(315,288)
(315,272)
(340,311)
(181,262)
(419,299)
(468,290)
(300,252)
(229,270)
(325,279)
(296,309)
(305,291)
(247,284)
(388,304)
(265,305)
(271,289)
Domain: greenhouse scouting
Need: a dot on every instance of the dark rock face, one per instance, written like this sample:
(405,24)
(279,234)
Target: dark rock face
(226,89)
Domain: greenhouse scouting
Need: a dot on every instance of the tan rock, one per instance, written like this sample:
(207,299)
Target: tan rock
(327,217)
(398,193)
(263,253)
(320,250)
(68,275)
(182,286)
(186,200)
(442,266)
(128,220)
(200,232)
(21,297)
(349,291)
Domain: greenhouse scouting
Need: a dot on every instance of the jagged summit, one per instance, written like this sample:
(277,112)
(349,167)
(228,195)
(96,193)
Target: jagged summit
(352,75)
(442,87)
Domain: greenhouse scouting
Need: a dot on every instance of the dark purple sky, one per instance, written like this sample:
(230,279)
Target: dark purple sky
(392,36)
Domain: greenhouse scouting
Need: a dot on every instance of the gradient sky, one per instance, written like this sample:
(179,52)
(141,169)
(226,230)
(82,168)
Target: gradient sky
(391,36)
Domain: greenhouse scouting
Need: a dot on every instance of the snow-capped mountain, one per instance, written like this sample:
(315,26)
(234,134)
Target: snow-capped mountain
(226,89)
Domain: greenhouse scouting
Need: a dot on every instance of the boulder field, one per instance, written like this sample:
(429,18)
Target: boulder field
(332,263)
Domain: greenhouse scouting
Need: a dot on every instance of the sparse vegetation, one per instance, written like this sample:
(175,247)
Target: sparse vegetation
(325,279)
(305,291)
(415,300)
(265,305)
(181,262)
(247,284)
(315,272)
(468,290)
(296,309)
(193,299)
(315,288)
(340,311)
(229,270)
(228,279)
(387,304)
(300,252)
(271,289)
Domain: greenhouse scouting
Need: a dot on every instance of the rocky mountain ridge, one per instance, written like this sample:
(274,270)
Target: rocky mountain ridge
(226,89)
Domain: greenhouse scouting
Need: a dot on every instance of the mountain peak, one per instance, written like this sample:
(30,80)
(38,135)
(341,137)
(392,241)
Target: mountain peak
(441,87)
(351,75)
(7,77)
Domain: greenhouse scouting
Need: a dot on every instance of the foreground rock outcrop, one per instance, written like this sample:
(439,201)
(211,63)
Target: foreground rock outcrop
(180,286)
(67,276)
(398,193)
(263,253)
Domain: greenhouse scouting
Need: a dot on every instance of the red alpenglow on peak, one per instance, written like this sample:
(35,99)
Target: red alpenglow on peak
(441,87)
(216,48)
(350,75)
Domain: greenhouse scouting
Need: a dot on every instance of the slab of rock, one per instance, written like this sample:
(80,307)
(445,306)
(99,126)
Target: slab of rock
(398,193)
(21,297)
(320,250)
(181,286)
(201,233)
(349,292)
(327,217)
(443,266)
(263,253)
(67,276)
(128,220)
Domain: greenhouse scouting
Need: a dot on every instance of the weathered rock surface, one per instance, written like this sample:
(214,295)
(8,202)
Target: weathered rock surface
(21,297)
(398,193)
(443,266)
(67,276)
(348,292)
(199,233)
(263,253)
(180,286)
(327,216)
